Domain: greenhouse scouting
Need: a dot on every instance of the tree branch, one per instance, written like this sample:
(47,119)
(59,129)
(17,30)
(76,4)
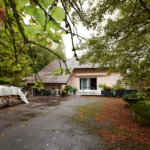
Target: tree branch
(144,5)
(32,42)
(73,33)
(133,19)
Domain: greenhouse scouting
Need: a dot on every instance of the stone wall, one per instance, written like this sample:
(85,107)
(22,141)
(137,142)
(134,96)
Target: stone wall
(9,100)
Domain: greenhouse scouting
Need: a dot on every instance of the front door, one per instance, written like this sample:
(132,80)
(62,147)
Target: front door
(93,84)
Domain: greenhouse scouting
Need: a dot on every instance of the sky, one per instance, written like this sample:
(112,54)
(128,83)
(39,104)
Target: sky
(82,31)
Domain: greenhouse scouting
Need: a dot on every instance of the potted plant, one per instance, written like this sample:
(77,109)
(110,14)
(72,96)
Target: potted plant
(74,90)
(107,90)
(120,91)
(63,93)
(67,88)
(102,86)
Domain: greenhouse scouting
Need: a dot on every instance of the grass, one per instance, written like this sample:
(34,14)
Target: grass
(91,110)
(86,114)
(97,118)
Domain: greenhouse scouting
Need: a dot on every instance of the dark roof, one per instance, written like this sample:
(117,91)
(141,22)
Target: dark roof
(71,63)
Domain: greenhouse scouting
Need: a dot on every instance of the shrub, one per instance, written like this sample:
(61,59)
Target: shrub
(63,91)
(120,88)
(108,87)
(75,89)
(131,98)
(104,87)
(100,85)
(142,113)
(117,88)
(67,87)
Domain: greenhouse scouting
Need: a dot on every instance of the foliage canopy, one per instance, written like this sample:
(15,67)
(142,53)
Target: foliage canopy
(122,39)
(46,27)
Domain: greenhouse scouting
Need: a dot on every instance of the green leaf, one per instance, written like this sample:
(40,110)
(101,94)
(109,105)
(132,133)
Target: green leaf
(39,29)
(51,34)
(31,21)
(30,30)
(22,2)
(47,2)
(57,42)
(29,10)
(2,4)
(43,6)
(63,32)
(58,13)
(39,16)
(54,25)
(57,36)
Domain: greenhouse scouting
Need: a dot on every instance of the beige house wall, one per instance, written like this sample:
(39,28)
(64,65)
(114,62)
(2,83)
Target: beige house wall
(75,80)
(108,80)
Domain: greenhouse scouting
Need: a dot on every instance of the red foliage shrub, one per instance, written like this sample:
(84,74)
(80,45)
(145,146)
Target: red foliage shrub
(108,87)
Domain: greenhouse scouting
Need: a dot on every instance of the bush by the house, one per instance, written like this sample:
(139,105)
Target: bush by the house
(75,89)
(102,86)
(63,91)
(132,98)
(67,87)
(117,88)
(108,87)
(142,113)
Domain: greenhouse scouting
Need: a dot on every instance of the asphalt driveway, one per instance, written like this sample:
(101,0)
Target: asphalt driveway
(46,124)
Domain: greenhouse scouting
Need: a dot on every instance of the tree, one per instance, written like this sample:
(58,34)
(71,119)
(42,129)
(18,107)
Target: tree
(43,57)
(44,30)
(9,67)
(122,41)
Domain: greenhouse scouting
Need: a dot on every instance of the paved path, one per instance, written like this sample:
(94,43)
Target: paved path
(46,125)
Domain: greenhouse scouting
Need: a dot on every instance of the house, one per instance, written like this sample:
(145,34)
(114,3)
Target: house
(85,78)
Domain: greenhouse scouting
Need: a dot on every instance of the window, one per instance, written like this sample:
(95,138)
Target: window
(88,83)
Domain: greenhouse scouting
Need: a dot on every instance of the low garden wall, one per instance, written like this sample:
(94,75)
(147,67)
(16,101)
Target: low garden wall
(9,100)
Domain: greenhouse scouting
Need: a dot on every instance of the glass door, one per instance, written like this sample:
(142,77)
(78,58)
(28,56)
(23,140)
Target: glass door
(85,83)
